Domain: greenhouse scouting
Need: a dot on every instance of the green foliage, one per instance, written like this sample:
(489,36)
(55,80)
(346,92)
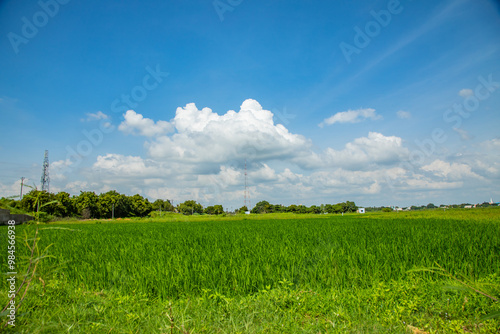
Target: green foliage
(13,205)
(344,207)
(314,209)
(65,206)
(214,210)
(269,273)
(262,207)
(34,200)
(112,200)
(140,206)
(292,208)
(44,217)
(238,258)
(383,308)
(190,207)
(243,209)
(163,206)
(87,204)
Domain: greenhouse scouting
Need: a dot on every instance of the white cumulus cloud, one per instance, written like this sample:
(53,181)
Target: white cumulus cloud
(124,166)
(204,136)
(452,171)
(135,123)
(366,151)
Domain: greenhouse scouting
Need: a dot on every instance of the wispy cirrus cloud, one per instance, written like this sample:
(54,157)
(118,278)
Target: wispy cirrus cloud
(95,116)
(466,92)
(403,114)
(351,116)
(464,134)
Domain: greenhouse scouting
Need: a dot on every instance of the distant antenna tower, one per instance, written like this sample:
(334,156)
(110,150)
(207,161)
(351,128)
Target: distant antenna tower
(45,173)
(247,196)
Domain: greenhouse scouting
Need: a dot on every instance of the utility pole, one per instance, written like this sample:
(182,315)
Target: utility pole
(113,211)
(22,182)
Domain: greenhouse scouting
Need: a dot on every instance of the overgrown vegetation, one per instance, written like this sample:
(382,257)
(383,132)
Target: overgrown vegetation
(89,205)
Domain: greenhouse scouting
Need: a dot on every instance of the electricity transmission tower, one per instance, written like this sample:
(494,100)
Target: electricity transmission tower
(45,173)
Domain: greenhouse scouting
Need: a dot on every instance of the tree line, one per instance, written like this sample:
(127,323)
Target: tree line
(89,205)
(266,207)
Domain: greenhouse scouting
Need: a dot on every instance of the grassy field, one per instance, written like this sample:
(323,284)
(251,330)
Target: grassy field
(265,273)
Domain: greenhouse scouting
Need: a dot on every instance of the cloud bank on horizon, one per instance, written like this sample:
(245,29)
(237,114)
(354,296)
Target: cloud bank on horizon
(200,155)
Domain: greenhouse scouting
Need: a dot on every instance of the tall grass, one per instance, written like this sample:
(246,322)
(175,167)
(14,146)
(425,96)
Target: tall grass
(240,257)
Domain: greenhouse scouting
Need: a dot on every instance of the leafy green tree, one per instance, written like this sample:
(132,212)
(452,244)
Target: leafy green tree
(140,206)
(278,208)
(29,201)
(86,204)
(218,209)
(163,205)
(243,209)
(114,200)
(190,207)
(302,209)
(350,207)
(9,203)
(336,208)
(65,206)
(314,209)
(262,207)
(209,210)
(214,210)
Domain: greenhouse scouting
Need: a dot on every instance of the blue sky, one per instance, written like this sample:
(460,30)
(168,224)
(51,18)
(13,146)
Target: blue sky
(380,102)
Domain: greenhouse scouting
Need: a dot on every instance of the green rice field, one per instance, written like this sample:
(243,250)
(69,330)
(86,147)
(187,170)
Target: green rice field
(392,272)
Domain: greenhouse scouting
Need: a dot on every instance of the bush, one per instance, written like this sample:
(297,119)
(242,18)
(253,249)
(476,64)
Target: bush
(44,217)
